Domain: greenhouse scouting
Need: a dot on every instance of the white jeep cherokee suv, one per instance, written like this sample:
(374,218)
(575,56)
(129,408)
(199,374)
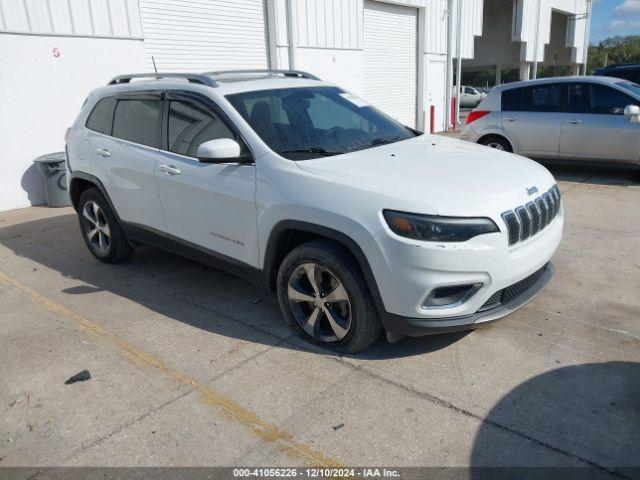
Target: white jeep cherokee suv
(357,222)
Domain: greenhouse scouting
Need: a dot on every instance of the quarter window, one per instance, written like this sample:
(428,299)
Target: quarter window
(101,116)
(511,100)
(190,125)
(138,121)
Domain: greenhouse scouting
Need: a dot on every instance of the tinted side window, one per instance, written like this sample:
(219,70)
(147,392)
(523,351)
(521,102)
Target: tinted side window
(579,98)
(607,101)
(190,125)
(511,100)
(542,98)
(101,117)
(138,121)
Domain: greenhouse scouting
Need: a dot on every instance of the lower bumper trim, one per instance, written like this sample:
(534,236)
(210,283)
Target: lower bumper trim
(416,327)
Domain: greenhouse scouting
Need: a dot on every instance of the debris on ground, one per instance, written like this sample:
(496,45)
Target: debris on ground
(337,427)
(82,376)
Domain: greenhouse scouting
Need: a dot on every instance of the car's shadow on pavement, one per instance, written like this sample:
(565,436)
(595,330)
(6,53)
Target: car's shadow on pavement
(178,288)
(619,176)
(585,416)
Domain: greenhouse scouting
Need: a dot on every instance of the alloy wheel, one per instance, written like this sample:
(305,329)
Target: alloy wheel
(96,227)
(319,302)
(495,145)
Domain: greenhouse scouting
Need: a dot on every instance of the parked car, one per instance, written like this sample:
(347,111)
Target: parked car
(470,97)
(358,223)
(630,71)
(591,118)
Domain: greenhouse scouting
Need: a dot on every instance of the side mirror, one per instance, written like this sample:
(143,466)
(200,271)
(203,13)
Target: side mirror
(220,150)
(633,112)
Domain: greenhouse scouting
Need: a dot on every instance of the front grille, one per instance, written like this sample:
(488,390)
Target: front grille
(512,292)
(527,220)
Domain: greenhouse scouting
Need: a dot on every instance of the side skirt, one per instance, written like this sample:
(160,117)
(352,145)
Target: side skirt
(148,236)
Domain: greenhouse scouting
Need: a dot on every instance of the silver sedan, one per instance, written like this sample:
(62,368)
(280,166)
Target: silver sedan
(588,118)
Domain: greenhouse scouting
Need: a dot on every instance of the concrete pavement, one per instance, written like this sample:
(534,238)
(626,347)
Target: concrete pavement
(194,367)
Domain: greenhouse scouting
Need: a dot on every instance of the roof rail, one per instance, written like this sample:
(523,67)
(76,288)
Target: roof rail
(285,73)
(191,77)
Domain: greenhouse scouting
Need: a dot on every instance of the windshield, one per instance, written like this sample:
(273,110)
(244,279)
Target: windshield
(303,123)
(632,87)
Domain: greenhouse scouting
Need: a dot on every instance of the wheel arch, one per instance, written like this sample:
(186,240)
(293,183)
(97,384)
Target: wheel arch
(288,234)
(81,181)
(498,135)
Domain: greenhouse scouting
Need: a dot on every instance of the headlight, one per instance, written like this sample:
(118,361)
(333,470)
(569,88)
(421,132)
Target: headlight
(433,228)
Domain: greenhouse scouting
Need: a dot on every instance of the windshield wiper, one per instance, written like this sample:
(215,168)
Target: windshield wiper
(311,150)
(382,141)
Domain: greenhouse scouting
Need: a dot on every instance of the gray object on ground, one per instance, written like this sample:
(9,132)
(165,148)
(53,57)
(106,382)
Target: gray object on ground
(53,171)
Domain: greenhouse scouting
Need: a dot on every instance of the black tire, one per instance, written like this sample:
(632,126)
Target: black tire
(497,142)
(109,245)
(336,265)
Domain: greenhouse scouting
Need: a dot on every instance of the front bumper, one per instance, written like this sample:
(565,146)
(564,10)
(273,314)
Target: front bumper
(416,327)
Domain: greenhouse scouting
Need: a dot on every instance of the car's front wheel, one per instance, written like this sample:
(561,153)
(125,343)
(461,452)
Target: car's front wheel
(324,297)
(100,228)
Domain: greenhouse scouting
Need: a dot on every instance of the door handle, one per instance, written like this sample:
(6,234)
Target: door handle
(510,119)
(574,122)
(103,152)
(170,170)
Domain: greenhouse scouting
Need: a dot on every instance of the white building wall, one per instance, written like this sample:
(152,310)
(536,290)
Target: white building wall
(529,22)
(204,35)
(107,18)
(436,27)
(53,54)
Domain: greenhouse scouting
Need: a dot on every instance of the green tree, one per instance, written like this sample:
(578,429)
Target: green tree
(614,50)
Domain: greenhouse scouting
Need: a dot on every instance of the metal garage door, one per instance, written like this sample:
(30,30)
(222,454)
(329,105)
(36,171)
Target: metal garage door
(390,55)
(201,35)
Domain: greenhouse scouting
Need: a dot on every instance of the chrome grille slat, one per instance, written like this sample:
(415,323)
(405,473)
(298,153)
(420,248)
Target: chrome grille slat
(542,205)
(550,205)
(534,213)
(513,226)
(525,221)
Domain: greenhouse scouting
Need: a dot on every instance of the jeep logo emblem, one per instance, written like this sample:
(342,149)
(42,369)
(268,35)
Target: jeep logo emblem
(532,190)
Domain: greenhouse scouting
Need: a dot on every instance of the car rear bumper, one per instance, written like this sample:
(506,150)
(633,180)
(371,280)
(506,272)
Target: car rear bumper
(416,327)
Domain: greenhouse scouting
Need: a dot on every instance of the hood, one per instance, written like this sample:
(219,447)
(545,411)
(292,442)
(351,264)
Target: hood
(443,175)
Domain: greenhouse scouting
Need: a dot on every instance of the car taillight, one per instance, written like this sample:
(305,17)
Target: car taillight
(66,134)
(476,114)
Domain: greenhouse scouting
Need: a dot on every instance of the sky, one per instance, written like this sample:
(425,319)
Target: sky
(614,17)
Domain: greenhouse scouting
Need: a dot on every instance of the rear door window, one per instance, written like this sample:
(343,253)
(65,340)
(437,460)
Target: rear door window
(542,98)
(138,121)
(579,100)
(101,117)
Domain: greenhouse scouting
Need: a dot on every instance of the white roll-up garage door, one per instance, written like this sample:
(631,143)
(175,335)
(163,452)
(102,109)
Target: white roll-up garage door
(204,35)
(390,57)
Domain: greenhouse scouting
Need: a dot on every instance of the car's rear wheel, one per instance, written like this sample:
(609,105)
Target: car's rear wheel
(499,143)
(325,299)
(100,229)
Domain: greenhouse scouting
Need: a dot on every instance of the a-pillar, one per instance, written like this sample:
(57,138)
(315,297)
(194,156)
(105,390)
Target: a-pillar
(525,70)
